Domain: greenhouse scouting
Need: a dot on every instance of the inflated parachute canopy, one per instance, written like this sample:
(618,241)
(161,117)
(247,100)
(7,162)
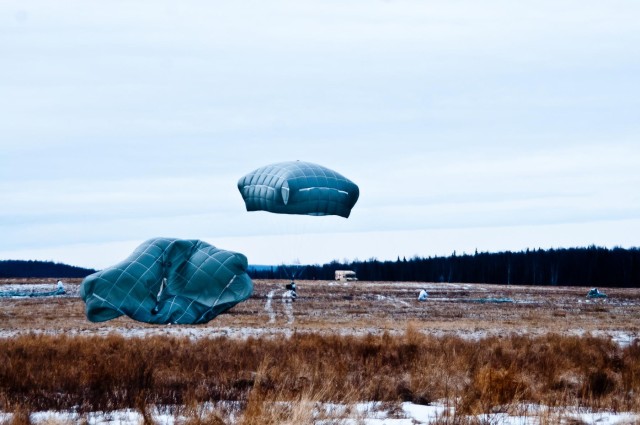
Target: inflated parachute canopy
(298,187)
(168,281)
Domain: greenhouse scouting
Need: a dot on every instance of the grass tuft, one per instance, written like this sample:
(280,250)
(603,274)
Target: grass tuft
(87,374)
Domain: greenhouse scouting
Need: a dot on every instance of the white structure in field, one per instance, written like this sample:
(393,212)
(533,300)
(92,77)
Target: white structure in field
(345,275)
(422,296)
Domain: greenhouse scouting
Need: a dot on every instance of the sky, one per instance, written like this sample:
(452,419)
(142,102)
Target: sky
(468,125)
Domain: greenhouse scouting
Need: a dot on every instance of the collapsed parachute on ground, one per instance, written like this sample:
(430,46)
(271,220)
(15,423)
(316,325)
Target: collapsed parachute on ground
(595,293)
(33,294)
(298,187)
(168,281)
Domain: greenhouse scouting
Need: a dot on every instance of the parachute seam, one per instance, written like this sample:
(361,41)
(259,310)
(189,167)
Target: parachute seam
(306,189)
(215,304)
(259,185)
(109,303)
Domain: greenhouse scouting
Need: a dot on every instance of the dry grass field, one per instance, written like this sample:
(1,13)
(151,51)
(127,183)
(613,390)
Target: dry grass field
(338,344)
(359,308)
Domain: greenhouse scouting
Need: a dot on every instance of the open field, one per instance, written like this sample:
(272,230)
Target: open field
(549,355)
(357,308)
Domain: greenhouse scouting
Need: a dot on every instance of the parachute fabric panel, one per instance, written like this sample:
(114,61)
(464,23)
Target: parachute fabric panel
(298,187)
(168,281)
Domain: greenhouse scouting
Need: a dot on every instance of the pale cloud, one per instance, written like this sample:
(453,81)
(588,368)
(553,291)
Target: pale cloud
(130,120)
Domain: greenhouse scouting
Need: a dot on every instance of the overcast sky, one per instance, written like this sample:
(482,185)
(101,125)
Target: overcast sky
(488,125)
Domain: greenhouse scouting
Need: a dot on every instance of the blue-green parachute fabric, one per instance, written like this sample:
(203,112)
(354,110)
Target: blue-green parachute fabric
(298,187)
(168,281)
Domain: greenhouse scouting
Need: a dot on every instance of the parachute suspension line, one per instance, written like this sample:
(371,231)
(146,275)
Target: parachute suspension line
(295,233)
(296,272)
(286,271)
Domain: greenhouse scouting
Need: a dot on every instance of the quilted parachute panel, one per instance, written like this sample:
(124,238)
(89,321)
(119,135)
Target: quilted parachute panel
(298,187)
(168,280)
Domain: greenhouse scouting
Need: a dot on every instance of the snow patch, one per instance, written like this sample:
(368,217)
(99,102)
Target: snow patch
(269,309)
(369,413)
(287,303)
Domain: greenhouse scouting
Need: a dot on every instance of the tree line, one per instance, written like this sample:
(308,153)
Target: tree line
(31,268)
(590,266)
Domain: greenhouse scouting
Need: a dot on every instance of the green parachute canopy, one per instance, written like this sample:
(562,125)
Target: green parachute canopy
(168,281)
(298,187)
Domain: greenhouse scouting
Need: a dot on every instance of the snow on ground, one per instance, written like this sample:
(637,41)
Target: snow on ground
(391,300)
(287,300)
(186,331)
(71,290)
(622,338)
(35,290)
(277,303)
(268,308)
(364,413)
(372,413)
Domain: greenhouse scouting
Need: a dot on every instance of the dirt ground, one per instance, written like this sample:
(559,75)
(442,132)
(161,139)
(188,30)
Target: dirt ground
(327,307)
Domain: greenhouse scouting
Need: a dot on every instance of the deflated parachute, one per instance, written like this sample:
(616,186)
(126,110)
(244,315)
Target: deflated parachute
(168,281)
(298,187)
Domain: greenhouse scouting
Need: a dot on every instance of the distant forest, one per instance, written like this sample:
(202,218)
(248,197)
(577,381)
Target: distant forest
(20,268)
(592,266)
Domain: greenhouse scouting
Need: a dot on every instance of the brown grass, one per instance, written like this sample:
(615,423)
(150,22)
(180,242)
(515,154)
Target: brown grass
(88,374)
(347,343)
(364,307)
